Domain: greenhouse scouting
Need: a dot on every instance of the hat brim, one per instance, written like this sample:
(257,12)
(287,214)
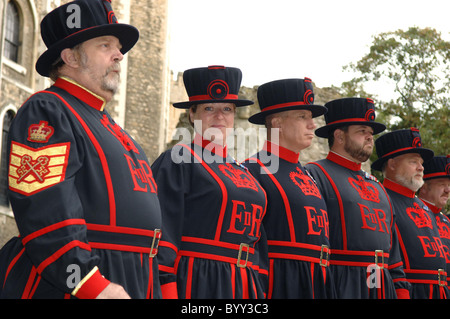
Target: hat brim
(188,104)
(426,154)
(127,35)
(324,130)
(425,178)
(260,118)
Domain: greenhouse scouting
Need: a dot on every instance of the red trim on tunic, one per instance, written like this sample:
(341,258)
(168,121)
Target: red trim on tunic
(285,199)
(402,190)
(342,161)
(340,203)
(102,157)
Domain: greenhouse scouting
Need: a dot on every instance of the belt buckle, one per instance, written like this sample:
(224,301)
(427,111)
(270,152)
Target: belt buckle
(381,254)
(241,246)
(156,238)
(442,277)
(324,249)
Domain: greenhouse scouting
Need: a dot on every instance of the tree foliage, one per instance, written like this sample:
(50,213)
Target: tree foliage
(415,66)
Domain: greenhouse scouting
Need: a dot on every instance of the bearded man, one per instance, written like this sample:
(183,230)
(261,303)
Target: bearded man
(365,259)
(80,187)
(401,158)
(435,193)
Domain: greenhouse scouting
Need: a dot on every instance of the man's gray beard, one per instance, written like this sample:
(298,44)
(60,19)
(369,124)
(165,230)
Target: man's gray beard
(410,183)
(111,85)
(357,153)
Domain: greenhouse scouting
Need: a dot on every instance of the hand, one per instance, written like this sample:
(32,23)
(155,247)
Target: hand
(113,291)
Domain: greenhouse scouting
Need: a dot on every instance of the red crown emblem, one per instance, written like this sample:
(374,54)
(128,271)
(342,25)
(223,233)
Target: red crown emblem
(238,177)
(419,216)
(40,133)
(365,189)
(117,131)
(444,228)
(305,183)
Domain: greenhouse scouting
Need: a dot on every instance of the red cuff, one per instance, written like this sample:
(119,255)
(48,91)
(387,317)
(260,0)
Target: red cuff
(403,294)
(169,291)
(91,285)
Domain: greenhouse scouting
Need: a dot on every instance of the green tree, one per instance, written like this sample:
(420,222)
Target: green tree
(415,66)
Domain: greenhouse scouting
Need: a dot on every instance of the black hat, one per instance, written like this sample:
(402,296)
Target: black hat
(214,84)
(349,111)
(397,143)
(437,167)
(284,95)
(76,22)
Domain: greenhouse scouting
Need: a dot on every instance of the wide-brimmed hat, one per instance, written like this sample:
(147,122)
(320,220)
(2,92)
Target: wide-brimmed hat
(76,22)
(437,167)
(213,84)
(349,111)
(285,95)
(397,143)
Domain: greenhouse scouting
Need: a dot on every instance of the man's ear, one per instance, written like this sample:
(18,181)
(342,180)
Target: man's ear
(276,122)
(391,164)
(338,136)
(70,58)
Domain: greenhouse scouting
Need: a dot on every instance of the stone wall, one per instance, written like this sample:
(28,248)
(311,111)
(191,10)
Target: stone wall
(148,78)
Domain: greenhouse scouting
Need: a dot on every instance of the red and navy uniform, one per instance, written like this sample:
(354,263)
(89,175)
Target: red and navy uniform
(422,249)
(443,225)
(296,226)
(84,200)
(362,232)
(212,209)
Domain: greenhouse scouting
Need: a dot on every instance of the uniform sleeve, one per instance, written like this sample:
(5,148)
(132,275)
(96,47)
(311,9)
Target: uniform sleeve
(45,156)
(262,261)
(173,180)
(261,249)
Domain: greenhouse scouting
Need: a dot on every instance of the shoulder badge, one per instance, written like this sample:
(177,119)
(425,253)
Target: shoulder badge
(370,177)
(32,170)
(40,133)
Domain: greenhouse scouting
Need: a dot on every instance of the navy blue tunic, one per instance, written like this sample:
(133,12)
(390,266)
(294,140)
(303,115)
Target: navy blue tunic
(296,226)
(212,209)
(84,200)
(365,258)
(422,249)
(443,225)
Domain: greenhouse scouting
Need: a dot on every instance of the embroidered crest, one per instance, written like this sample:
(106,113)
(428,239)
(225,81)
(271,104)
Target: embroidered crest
(370,115)
(305,183)
(118,133)
(365,189)
(32,170)
(416,139)
(38,168)
(308,97)
(218,89)
(443,227)
(419,216)
(238,177)
(447,167)
(40,133)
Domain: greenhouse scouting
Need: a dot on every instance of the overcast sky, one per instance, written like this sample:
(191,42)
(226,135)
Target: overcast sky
(275,39)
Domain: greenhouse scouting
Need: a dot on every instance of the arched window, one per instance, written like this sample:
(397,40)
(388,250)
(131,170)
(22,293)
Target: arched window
(7,119)
(12,32)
